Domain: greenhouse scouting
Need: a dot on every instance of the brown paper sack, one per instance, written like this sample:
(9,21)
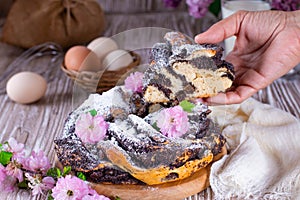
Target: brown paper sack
(65,22)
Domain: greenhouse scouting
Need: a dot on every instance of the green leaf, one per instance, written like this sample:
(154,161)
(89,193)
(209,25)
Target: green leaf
(187,106)
(23,185)
(58,172)
(5,157)
(117,198)
(50,197)
(155,126)
(54,172)
(93,112)
(66,170)
(81,176)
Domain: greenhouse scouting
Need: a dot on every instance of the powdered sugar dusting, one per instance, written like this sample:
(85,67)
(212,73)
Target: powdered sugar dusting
(116,98)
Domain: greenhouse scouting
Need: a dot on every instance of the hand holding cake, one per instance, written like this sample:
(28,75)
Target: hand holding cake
(267,46)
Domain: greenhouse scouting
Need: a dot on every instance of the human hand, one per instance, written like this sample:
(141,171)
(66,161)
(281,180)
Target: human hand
(267,46)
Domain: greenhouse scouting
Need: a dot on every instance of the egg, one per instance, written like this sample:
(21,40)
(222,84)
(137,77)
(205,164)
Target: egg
(26,87)
(102,46)
(80,58)
(116,60)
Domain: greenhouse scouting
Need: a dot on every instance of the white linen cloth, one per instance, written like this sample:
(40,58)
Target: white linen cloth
(264,153)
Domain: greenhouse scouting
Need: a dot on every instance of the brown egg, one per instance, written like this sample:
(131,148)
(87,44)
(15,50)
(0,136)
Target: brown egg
(80,58)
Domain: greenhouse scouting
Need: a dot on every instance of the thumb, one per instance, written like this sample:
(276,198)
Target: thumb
(222,29)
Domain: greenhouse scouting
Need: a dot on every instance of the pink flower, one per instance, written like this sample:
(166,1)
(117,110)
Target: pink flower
(70,188)
(134,82)
(48,182)
(16,148)
(172,3)
(13,169)
(37,162)
(198,8)
(91,129)
(173,122)
(39,184)
(9,184)
(2,173)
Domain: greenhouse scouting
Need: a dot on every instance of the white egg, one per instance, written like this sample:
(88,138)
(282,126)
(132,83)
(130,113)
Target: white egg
(26,87)
(102,46)
(116,60)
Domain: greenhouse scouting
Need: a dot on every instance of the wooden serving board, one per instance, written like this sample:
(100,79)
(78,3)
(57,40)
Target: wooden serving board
(177,190)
